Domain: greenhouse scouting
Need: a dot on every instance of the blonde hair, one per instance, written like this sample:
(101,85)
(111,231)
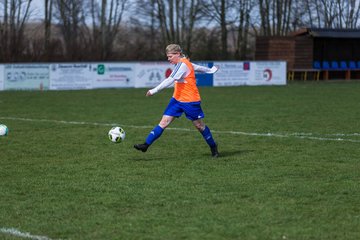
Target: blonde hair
(174,48)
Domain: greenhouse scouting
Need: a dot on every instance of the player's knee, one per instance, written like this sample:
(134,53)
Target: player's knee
(199,126)
(164,123)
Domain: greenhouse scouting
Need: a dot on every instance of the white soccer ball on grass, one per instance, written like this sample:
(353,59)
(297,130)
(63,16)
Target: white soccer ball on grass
(116,134)
(3,130)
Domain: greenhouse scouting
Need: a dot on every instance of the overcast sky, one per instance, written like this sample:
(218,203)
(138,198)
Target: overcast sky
(37,8)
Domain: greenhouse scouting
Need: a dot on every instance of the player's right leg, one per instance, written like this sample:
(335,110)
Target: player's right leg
(172,110)
(155,133)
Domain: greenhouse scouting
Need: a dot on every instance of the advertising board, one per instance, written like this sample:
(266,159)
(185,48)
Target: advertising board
(26,76)
(114,75)
(250,73)
(71,76)
(232,73)
(150,74)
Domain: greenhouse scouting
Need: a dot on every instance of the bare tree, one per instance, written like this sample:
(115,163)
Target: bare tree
(207,29)
(15,16)
(244,9)
(106,17)
(329,11)
(144,17)
(332,13)
(71,17)
(276,17)
(219,11)
(48,8)
(352,14)
(340,13)
(176,20)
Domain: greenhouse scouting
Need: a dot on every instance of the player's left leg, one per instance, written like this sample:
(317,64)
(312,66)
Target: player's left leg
(194,113)
(206,133)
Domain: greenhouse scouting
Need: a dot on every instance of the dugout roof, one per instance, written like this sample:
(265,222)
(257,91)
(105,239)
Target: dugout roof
(328,33)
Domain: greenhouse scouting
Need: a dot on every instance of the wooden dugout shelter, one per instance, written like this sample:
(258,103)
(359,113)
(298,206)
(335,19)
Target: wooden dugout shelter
(315,53)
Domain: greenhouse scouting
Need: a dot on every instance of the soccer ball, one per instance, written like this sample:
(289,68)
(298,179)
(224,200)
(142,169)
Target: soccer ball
(116,134)
(3,130)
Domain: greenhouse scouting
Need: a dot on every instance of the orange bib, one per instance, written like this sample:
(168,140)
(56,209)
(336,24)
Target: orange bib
(187,91)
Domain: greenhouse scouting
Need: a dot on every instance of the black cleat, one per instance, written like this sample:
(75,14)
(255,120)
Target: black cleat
(141,147)
(214,151)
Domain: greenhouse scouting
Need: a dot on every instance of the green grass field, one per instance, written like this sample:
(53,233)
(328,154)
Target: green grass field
(289,165)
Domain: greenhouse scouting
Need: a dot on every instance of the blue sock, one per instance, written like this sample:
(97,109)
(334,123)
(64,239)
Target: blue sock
(154,134)
(208,137)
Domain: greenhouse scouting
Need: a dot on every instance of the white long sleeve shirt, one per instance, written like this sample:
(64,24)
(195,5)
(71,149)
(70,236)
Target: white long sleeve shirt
(179,72)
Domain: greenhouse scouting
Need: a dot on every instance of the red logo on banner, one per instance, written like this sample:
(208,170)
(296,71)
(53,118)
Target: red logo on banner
(168,72)
(267,75)
(246,66)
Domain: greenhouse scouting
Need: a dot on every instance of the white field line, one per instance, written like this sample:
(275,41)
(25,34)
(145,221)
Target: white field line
(17,233)
(310,136)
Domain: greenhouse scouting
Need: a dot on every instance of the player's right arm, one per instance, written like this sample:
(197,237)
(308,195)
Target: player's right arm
(164,84)
(177,74)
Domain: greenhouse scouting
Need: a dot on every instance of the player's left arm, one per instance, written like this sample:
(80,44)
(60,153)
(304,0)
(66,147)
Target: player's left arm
(203,69)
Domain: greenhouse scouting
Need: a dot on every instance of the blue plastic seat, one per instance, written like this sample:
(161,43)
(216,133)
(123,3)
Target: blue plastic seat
(325,65)
(316,65)
(343,65)
(334,65)
(352,65)
(358,64)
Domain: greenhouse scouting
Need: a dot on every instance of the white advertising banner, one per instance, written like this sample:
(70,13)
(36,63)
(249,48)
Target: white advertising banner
(232,73)
(26,76)
(114,75)
(250,73)
(71,76)
(2,77)
(150,74)
(268,73)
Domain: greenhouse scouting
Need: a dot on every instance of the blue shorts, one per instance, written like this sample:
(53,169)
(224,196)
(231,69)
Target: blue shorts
(192,110)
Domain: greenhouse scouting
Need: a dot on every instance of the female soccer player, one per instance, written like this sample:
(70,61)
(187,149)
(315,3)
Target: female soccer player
(186,98)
